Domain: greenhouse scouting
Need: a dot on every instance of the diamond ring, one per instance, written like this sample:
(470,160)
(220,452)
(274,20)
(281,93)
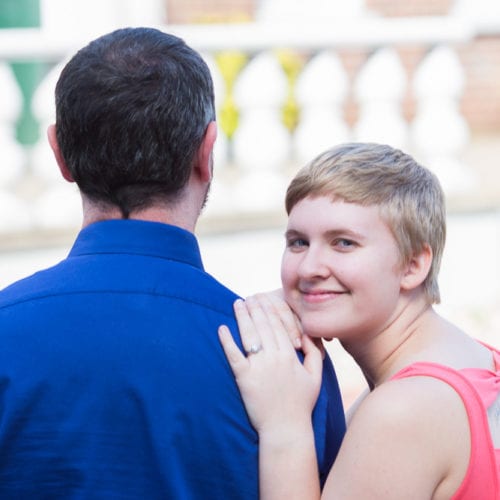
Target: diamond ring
(254,349)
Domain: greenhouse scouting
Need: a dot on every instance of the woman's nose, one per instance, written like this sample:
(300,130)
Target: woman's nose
(314,264)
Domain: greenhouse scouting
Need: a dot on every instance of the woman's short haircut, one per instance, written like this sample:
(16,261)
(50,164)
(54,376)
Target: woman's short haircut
(410,197)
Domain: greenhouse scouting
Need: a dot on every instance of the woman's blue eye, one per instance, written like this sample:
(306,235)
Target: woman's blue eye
(344,243)
(296,243)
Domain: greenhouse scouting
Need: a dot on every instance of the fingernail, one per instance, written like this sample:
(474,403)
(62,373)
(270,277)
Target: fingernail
(297,342)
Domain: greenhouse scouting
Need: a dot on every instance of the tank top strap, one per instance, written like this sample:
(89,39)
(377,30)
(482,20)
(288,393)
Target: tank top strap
(481,479)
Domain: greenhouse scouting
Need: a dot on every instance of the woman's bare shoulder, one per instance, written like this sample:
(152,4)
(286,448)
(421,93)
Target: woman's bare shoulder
(409,434)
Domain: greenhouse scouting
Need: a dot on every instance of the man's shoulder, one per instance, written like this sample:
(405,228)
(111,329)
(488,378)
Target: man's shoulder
(123,275)
(27,286)
(196,287)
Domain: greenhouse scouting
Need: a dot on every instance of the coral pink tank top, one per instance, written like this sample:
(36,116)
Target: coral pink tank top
(478,390)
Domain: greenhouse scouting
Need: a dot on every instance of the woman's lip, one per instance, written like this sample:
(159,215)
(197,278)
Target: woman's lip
(320,295)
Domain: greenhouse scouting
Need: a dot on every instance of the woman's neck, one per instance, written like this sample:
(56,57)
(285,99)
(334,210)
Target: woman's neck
(397,344)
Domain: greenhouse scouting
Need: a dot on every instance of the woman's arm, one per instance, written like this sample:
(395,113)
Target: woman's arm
(407,438)
(279,393)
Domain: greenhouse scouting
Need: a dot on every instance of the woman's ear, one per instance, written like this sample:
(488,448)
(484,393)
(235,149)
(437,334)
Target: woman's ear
(51,136)
(417,269)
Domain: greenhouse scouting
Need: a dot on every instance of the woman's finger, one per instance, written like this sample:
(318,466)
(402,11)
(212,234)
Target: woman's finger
(276,322)
(318,342)
(235,357)
(313,359)
(250,335)
(262,323)
(287,316)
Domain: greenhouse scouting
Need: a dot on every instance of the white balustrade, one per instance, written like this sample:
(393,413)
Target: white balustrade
(321,90)
(440,133)
(43,108)
(11,153)
(380,88)
(58,205)
(261,143)
(14,211)
(252,168)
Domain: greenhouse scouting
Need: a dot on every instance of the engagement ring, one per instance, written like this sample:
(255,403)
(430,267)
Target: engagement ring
(254,349)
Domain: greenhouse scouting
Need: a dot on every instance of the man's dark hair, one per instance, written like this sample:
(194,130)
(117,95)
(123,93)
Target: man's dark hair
(132,108)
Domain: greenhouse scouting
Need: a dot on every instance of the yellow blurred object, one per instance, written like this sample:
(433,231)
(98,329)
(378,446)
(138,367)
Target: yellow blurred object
(230,64)
(292,64)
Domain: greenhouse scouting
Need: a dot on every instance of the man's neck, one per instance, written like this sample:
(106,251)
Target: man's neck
(175,215)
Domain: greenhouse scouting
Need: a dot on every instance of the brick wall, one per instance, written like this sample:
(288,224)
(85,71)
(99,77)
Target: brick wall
(201,11)
(394,8)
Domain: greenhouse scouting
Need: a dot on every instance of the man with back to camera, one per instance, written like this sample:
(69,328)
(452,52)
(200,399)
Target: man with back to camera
(112,380)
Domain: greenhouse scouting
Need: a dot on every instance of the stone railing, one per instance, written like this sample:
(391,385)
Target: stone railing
(257,151)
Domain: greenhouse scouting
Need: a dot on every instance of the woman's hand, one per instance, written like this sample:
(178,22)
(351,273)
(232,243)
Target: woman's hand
(279,392)
(276,302)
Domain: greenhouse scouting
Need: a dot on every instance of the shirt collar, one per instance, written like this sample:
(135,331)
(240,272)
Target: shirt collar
(153,239)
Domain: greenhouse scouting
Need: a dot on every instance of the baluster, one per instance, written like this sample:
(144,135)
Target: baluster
(379,88)
(321,89)
(44,166)
(12,156)
(14,212)
(58,203)
(440,132)
(261,142)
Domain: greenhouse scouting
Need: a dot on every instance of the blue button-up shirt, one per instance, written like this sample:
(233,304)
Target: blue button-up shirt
(113,383)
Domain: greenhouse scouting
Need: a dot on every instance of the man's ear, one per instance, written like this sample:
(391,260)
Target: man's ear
(51,136)
(204,164)
(417,269)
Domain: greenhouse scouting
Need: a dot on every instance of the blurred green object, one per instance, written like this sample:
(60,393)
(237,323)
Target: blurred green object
(24,14)
(19,13)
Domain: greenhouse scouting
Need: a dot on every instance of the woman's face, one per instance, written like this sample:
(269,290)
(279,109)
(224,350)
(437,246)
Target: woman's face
(341,269)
